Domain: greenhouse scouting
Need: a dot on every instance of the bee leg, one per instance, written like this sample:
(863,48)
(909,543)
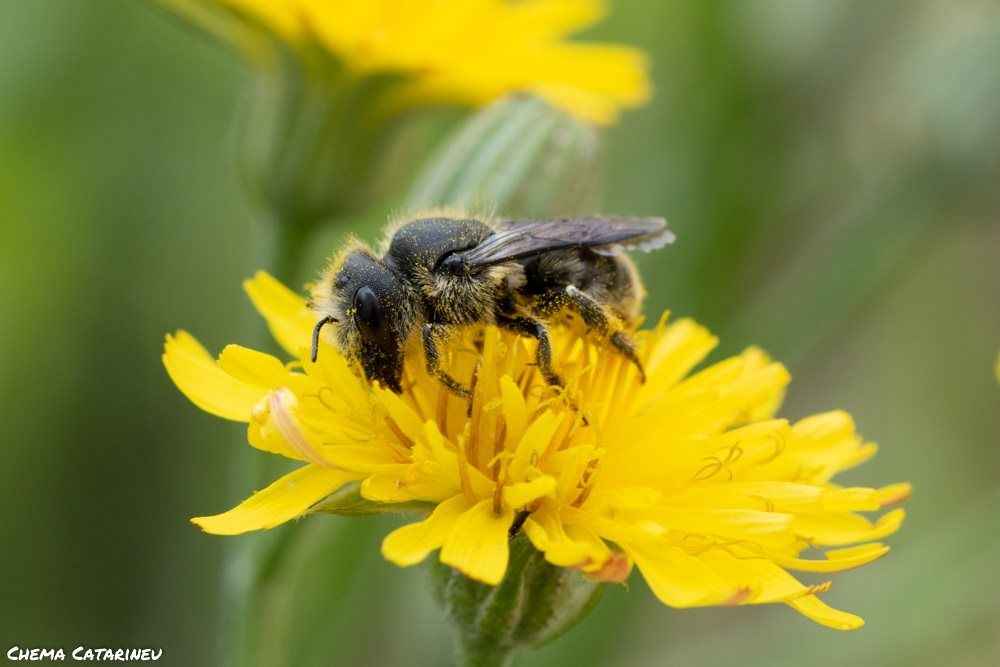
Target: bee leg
(431,335)
(526,326)
(622,343)
(596,317)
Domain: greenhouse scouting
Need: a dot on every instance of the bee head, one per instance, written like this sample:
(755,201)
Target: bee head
(372,314)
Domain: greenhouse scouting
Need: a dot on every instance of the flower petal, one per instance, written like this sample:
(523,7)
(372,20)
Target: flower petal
(673,351)
(824,444)
(836,529)
(837,560)
(581,549)
(401,482)
(206,385)
(289,319)
(534,441)
(405,419)
(522,493)
(478,545)
(746,569)
(514,409)
(253,367)
(819,611)
(410,544)
(894,493)
(277,427)
(285,499)
(677,578)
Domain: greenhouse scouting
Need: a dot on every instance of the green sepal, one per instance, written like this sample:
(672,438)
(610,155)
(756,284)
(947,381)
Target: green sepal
(535,603)
(348,501)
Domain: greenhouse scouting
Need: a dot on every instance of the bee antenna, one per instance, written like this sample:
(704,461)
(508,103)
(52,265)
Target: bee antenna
(319,327)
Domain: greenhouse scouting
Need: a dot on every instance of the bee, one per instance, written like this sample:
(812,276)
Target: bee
(440,272)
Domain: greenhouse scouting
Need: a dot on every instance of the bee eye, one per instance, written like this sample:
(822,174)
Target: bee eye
(370,317)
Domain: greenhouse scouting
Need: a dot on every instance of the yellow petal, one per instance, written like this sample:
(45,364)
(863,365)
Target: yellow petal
(253,367)
(514,409)
(534,441)
(389,484)
(289,319)
(406,420)
(581,549)
(746,569)
(616,569)
(477,546)
(341,387)
(283,500)
(410,544)
(677,578)
(836,561)
(766,495)
(825,444)
(836,529)
(748,387)
(894,493)
(401,482)
(278,428)
(819,611)
(555,18)
(673,351)
(205,384)
(360,458)
(736,524)
(522,493)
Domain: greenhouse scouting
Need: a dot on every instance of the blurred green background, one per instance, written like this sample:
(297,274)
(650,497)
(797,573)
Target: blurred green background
(831,169)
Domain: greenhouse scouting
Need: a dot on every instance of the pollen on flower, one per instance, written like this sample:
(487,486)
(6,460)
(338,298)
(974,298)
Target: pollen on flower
(688,477)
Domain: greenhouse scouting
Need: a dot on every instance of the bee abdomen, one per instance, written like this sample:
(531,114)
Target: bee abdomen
(610,280)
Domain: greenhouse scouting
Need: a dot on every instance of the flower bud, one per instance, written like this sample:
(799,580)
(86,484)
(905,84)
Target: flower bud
(310,128)
(535,603)
(518,157)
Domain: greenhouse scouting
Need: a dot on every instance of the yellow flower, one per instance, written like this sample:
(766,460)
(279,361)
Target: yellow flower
(689,477)
(470,52)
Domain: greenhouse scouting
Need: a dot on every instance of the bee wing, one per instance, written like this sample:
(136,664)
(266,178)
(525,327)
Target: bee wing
(520,239)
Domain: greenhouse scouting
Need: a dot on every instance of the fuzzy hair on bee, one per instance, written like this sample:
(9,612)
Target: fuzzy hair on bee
(353,263)
(442,269)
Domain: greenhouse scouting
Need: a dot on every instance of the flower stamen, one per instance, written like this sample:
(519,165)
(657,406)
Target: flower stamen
(396,431)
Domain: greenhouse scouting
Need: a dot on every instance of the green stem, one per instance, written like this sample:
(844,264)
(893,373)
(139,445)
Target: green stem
(288,249)
(484,656)
(250,560)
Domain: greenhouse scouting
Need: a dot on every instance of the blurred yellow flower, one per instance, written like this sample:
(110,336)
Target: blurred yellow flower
(688,476)
(470,52)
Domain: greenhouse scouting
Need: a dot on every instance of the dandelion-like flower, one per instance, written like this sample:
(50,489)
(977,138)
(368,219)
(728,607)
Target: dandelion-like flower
(689,476)
(470,52)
